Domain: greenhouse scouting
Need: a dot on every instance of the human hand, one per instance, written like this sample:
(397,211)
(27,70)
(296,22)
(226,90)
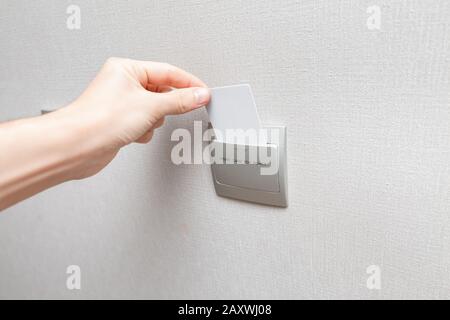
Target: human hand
(127,101)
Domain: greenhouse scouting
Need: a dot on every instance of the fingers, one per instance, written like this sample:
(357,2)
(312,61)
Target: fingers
(149,134)
(182,100)
(158,89)
(164,74)
(146,137)
(159,124)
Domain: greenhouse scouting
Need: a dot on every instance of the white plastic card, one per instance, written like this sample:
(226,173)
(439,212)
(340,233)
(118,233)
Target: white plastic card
(233,107)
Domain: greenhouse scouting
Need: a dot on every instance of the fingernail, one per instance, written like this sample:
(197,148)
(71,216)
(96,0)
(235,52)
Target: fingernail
(202,96)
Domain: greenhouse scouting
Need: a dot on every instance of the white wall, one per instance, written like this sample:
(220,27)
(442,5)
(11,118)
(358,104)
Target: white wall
(369,151)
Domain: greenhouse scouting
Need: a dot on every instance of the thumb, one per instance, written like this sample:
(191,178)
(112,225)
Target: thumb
(180,101)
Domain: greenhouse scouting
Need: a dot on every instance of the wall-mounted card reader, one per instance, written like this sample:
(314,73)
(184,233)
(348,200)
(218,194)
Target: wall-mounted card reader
(250,163)
(255,173)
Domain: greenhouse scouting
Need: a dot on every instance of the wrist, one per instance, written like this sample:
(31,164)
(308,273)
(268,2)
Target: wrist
(70,140)
(86,143)
(48,150)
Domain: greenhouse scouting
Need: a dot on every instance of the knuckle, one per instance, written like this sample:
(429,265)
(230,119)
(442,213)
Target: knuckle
(157,110)
(167,66)
(114,63)
(180,103)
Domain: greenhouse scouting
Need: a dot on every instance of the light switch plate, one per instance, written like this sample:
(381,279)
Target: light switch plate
(245,182)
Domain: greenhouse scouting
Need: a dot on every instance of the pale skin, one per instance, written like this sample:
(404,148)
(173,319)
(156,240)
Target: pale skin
(125,103)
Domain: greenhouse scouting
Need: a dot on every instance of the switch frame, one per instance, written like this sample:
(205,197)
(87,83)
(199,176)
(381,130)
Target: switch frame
(279,198)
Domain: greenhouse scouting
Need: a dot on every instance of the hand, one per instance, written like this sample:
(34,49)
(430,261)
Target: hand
(124,104)
(128,100)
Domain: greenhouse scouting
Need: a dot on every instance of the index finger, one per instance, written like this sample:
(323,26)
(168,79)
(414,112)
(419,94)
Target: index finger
(164,74)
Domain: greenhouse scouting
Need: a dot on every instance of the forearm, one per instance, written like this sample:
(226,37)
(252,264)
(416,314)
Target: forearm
(41,152)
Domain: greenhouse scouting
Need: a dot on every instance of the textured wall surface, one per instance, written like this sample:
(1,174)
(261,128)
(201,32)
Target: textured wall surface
(368,120)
